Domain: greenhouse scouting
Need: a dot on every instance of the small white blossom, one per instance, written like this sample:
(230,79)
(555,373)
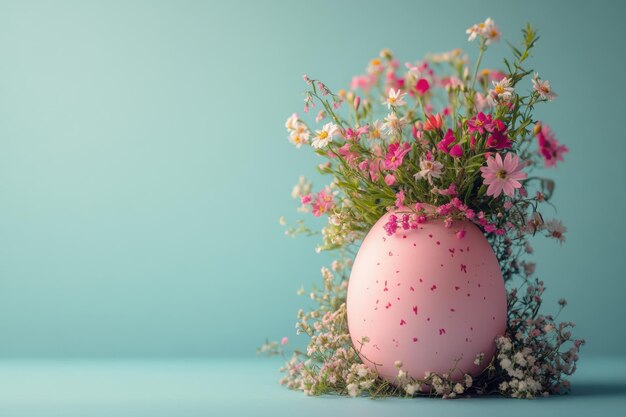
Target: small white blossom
(543,88)
(410,389)
(395,98)
(429,170)
(325,136)
(501,91)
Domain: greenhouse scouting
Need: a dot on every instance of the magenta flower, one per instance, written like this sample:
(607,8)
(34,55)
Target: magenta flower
(422,86)
(447,141)
(392,225)
(498,139)
(395,155)
(503,176)
(456,151)
(480,123)
(549,148)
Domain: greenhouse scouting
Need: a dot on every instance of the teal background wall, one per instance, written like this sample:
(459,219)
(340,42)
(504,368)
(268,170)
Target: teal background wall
(144,162)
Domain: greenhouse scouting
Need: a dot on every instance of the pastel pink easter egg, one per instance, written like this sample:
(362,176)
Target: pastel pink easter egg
(427,298)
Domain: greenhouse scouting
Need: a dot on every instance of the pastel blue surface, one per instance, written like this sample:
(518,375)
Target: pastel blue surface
(246,387)
(144,163)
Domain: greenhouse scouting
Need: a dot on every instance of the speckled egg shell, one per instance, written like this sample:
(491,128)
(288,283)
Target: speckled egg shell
(426,298)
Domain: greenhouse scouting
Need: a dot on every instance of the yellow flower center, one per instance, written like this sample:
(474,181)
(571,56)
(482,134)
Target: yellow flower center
(499,89)
(501,174)
(323,134)
(392,100)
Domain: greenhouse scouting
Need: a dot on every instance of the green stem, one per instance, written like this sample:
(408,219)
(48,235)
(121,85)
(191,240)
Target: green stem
(483,48)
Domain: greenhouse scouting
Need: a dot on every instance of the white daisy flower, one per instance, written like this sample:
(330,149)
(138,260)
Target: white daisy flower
(325,136)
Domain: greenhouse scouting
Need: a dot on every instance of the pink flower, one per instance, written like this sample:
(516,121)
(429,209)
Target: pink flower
(400,199)
(284,340)
(322,203)
(503,176)
(416,130)
(446,143)
(451,190)
(348,155)
(395,155)
(374,169)
(460,234)
(356,133)
(364,82)
(392,225)
(549,148)
(392,81)
(480,123)
(390,179)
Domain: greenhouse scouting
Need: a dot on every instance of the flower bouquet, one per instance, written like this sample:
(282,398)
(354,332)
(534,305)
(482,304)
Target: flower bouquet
(432,144)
